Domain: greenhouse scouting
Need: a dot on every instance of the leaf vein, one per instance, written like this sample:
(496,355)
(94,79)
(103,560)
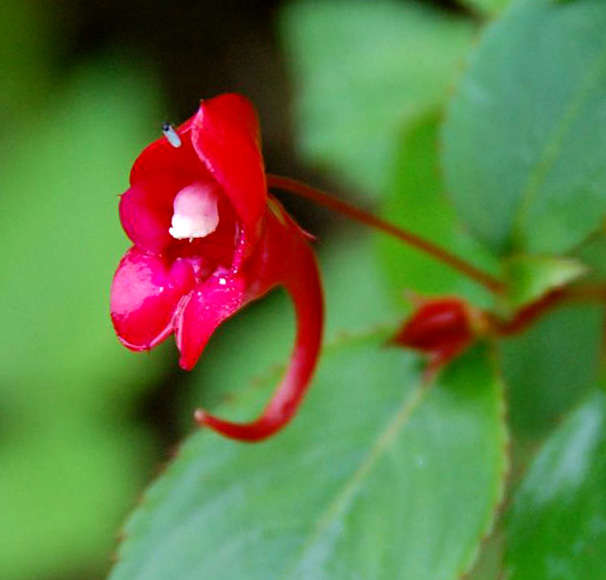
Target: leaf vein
(554,145)
(385,438)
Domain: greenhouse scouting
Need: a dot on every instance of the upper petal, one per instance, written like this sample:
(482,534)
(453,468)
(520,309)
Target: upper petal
(144,297)
(225,134)
(161,157)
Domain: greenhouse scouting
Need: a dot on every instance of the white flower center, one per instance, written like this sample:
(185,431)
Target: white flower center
(195,212)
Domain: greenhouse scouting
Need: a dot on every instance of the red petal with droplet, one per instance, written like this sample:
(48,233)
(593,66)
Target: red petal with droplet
(145,295)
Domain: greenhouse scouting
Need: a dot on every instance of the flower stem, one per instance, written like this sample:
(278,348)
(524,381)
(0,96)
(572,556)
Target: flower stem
(528,315)
(440,254)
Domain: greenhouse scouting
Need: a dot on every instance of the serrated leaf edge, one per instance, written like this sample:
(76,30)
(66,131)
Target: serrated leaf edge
(501,495)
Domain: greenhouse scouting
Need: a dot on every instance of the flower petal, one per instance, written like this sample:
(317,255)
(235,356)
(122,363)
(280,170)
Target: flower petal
(146,212)
(145,295)
(225,134)
(158,174)
(214,300)
(162,157)
(284,257)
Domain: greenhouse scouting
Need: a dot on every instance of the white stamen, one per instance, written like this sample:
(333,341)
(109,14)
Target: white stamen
(222,281)
(171,135)
(195,212)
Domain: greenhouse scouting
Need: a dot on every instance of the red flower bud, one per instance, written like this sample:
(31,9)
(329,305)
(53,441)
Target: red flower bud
(442,328)
(207,240)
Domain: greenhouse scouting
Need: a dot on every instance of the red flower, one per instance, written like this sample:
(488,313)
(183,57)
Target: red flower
(207,240)
(441,328)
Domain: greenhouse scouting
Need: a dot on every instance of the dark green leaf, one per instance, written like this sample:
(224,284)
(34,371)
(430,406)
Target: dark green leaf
(557,524)
(378,477)
(364,69)
(592,252)
(525,136)
(551,366)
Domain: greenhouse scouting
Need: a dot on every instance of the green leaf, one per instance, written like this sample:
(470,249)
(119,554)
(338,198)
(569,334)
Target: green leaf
(363,70)
(72,461)
(526,132)
(417,203)
(530,277)
(378,477)
(557,524)
(551,366)
(356,295)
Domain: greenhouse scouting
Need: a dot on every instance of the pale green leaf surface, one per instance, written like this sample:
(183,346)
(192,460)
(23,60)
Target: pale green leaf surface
(551,366)
(377,477)
(416,201)
(557,523)
(530,277)
(525,136)
(363,70)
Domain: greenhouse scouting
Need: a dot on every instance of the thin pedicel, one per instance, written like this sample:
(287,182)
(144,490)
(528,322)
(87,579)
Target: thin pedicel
(322,198)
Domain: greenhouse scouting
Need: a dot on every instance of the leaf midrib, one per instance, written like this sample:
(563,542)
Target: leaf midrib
(348,490)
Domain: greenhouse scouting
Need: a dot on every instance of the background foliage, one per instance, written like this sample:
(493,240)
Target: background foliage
(479,125)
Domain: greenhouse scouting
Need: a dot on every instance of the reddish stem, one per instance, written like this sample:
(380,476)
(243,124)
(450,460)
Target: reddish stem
(322,198)
(529,314)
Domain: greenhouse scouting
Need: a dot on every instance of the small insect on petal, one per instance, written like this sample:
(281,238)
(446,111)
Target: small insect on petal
(171,135)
